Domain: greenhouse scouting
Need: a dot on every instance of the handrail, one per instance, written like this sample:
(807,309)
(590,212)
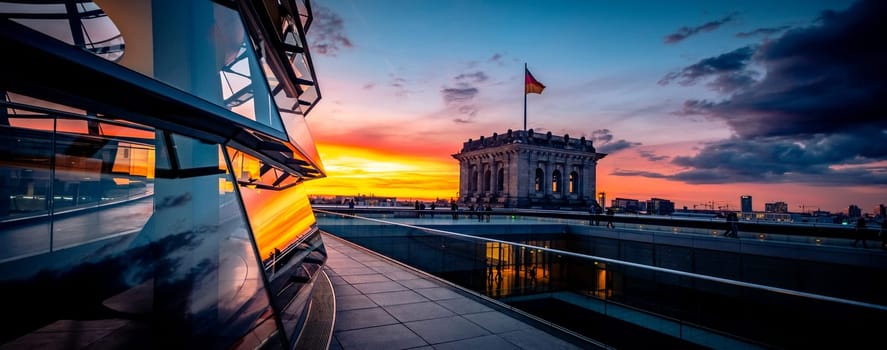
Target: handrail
(627,263)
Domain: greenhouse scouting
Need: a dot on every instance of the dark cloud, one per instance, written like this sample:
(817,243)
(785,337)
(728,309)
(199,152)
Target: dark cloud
(623,172)
(837,159)
(458,95)
(327,34)
(686,32)
(817,115)
(497,58)
(762,32)
(476,77)
(400,85)
(369,86)
(603,142)
(460,102)
(822,79)
(601,135)
(729,70)
(460,99)
(650,155)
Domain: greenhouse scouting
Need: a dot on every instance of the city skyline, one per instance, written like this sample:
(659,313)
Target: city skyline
(694,102)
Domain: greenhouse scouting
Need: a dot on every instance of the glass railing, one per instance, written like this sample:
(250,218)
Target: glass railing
(542,275)
(819,234)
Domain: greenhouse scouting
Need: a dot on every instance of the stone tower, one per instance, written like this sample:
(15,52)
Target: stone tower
(522,169)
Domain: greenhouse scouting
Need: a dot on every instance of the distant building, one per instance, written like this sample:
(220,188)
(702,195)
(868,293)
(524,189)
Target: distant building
(745,201)
(361,200)
(626,205)
(766,216)
(659,206)
(881,211)
(522,169)
(853,211)
(776,207)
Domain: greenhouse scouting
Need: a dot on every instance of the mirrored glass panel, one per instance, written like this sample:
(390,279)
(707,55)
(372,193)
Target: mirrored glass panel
(279,218)
(153,249)
(25,180)
(81,24)
(285,232)
(102,182)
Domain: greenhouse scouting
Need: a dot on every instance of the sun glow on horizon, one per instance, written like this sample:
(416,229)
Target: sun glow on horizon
(361,170)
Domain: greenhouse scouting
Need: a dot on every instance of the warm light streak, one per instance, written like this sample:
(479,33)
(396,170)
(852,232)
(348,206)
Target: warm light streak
(278,218)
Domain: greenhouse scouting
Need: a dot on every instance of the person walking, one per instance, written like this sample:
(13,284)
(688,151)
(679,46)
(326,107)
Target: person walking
(595,218)
(732,225)
(455,209)
(610,218)
(882,234)
(859,233)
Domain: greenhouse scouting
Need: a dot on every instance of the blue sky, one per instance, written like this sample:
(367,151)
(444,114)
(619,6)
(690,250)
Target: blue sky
(693,100)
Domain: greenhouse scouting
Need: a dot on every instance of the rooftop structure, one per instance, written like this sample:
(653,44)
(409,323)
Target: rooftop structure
(523,169)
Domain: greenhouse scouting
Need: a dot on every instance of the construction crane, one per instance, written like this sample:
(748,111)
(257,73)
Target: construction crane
(804,207)
(707,205)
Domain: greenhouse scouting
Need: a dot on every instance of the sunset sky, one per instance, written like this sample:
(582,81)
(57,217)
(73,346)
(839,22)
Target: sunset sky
(694,101)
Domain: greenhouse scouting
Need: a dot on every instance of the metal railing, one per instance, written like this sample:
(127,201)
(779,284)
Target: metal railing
(708,310)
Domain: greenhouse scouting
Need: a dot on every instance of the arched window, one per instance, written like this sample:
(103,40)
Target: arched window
(500,180)
(556,181)
(487,175)
(540,176)
(472,180)
(574,182)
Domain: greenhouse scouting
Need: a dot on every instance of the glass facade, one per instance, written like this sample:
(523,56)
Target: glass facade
(146,217)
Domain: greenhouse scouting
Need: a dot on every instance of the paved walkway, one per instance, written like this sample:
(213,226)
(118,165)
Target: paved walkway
(382,304)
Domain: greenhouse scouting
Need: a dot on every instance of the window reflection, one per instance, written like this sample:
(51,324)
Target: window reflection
(279,217)
(81,24)
(514,270)
(25,159)
(58,168)
(96,171)
(285,232)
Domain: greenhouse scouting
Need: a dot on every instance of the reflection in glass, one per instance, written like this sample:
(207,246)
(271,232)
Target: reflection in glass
(81,24)
(166,259)
(512,270)
(285,232)
(279,218)
(94,170)
(25,175)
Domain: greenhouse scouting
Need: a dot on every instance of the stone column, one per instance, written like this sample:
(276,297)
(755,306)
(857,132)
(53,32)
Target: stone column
(546,180)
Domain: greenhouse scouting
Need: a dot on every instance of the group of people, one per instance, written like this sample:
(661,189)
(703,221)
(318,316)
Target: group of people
(482,212)
(860,234)
(596,212)
(421,206)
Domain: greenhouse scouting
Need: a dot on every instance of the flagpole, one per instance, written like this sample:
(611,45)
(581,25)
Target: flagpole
(525,97)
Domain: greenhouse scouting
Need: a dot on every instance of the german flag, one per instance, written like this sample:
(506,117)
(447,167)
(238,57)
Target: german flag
(532,86)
